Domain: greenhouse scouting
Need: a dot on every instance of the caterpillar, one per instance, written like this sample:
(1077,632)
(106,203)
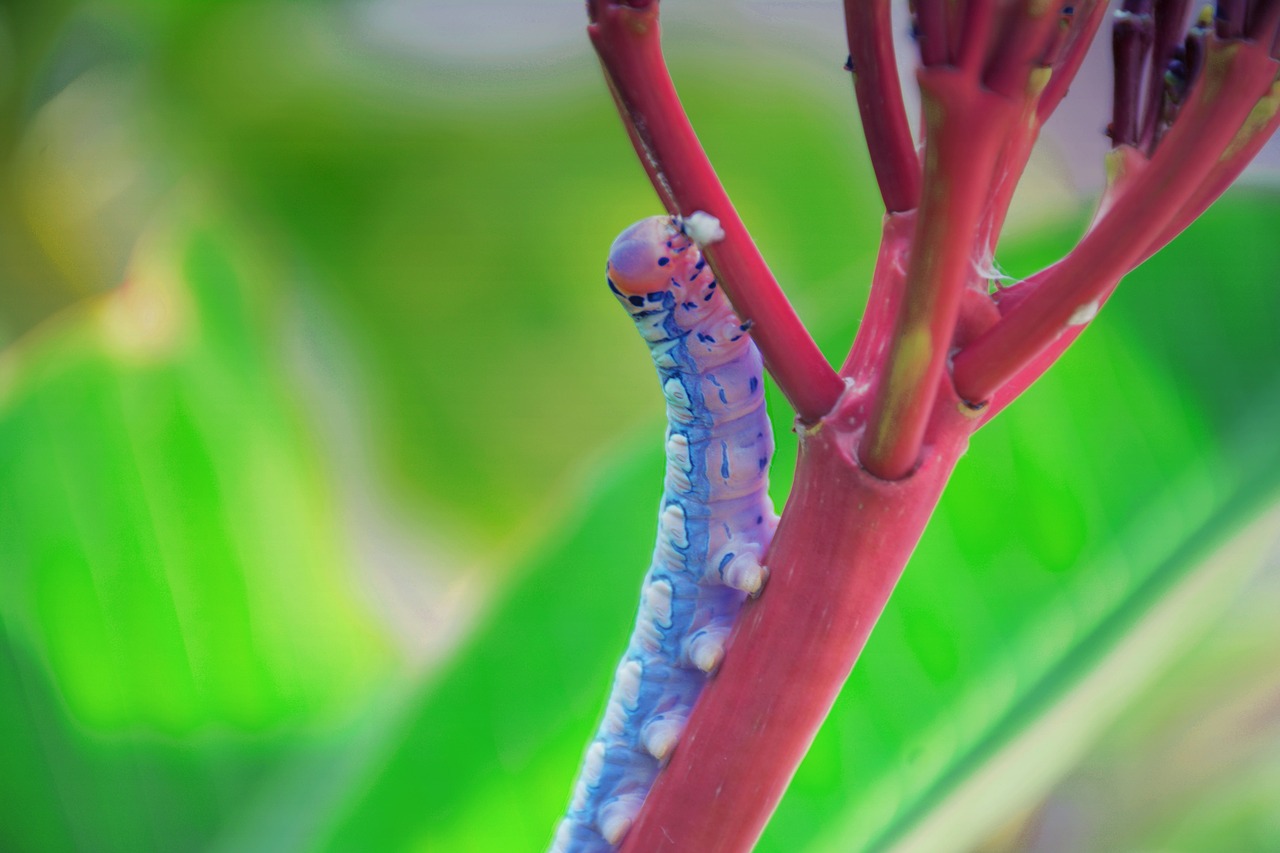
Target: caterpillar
(715,520)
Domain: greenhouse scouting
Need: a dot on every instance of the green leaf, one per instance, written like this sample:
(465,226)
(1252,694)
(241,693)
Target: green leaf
(170,633)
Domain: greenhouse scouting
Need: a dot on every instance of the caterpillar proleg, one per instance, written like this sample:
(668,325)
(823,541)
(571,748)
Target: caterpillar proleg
(714,523)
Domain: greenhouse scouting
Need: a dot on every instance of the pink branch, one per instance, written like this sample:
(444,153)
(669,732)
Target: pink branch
(1225,171)
(626,38)
(1086,19)
(884,120)
(1260,127)
(876,328)
(966,126)
(1218,106)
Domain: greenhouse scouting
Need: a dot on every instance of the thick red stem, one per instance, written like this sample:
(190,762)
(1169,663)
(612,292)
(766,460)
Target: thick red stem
(626,37)
(966,127)
(842,544)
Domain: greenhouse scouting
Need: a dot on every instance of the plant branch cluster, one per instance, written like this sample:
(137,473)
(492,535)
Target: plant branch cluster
(1191,107)
(939,350)
(1210,103)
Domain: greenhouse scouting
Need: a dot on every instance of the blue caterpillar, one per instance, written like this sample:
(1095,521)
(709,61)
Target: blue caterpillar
(714,524)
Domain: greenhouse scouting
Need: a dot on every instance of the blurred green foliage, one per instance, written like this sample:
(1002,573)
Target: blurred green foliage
(329,468)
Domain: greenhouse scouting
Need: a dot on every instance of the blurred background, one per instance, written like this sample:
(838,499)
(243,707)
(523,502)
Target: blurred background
(328,466)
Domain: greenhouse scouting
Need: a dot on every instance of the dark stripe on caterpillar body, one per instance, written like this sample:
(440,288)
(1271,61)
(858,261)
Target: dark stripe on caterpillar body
(714,524)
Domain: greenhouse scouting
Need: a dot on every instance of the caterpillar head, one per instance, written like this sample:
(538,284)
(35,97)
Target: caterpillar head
(649,262)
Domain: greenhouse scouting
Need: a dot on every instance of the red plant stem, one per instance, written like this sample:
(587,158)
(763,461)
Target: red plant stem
(1008,172)
(876,327)
(1170,19)
(1258,128)
(1261,125)
(1130,44)
(974,34)
(966,126)
(1027,33)
(839,550)
(627,41)
(931,32)
(869,30)
(1038,106)
(1087,18)
(1124,165)
(1026,377)
(1215,111)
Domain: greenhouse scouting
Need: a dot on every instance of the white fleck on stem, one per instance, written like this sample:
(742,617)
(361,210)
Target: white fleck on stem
(702,228)
(1083,314)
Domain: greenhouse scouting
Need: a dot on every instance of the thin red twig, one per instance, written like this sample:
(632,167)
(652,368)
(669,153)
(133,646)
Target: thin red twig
(1066,50)
(1086,19)
(869,30)
(626,38)
(1028,30)
(1259,127)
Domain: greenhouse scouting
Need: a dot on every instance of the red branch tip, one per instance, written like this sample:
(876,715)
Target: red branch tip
(626,38)
(869,29)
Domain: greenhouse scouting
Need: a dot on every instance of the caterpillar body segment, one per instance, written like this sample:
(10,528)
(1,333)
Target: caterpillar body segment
(715,522)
